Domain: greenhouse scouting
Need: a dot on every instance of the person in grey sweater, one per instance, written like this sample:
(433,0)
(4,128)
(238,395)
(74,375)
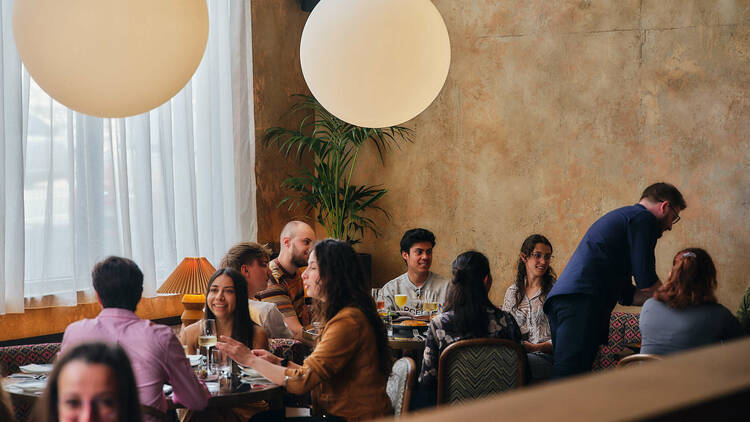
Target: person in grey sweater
(684,313)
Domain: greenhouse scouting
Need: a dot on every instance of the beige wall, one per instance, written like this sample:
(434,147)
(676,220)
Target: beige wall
(555,112)
(277,28)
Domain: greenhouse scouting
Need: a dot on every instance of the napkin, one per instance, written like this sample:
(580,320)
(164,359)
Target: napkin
(30,386)
(36,368)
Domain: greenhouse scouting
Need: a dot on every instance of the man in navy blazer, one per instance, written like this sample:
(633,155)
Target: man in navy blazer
(618,247)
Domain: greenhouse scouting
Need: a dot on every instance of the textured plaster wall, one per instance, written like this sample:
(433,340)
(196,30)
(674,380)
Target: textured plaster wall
(277,28)
(555,112)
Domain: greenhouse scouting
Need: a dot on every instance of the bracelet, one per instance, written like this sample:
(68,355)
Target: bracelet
(286,380)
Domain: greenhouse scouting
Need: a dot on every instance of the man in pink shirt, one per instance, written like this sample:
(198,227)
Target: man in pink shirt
(155,353)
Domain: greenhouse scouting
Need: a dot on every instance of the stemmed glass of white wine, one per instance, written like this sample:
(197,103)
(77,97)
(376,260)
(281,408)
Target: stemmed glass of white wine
(430,307)
(207,337)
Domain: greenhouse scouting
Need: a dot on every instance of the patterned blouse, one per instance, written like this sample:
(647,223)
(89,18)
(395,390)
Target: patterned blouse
(529,315)
(442,333)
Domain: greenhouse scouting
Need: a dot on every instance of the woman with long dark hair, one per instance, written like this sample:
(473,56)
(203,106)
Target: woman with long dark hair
(92,381)
(348,370)
(684,312)
(226,302)
(469,313)
(525,298)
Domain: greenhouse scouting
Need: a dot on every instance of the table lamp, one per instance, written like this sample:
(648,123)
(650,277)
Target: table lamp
(191,279)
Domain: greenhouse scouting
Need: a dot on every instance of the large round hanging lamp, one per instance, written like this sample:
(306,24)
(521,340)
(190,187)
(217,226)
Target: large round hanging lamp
(111,58)
(375,63)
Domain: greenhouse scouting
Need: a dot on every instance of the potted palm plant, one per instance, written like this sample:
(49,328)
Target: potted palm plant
(326,186)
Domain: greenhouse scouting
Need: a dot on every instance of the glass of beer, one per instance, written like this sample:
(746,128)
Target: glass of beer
(400,301)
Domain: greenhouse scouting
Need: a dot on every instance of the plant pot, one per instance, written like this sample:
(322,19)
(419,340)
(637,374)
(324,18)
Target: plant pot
(365,262)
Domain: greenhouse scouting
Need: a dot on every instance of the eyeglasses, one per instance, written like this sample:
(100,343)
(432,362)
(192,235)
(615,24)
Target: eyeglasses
(676,216)
(539,255)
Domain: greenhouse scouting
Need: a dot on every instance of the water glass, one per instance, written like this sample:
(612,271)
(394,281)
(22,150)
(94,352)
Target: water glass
(386,316)
(221,366)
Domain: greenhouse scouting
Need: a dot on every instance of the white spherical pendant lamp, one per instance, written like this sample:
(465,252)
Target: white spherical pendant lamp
(375,63)
(111,58)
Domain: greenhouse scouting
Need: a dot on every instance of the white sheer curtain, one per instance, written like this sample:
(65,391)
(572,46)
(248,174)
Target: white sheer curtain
(154,187)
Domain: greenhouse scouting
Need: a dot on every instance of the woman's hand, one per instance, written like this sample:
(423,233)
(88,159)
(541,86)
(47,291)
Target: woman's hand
(267,356)
(236,350)
(545,347)
(530,347)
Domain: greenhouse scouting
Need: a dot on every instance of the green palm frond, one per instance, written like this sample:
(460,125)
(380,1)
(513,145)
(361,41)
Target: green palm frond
(326,186)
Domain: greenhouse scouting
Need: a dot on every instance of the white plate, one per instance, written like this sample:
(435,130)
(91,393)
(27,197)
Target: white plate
(213,387)
(35,368)
(30,386)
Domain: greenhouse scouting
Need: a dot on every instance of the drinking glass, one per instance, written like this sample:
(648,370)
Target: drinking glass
(379,302)
(222,367)
(207,337)
(400,301)
(430,307)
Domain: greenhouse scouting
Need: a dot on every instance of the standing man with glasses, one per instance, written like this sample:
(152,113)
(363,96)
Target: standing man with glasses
(616,248)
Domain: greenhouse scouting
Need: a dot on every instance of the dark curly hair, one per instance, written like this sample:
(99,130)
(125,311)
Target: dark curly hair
(343,284)
(548,279)
(692,281)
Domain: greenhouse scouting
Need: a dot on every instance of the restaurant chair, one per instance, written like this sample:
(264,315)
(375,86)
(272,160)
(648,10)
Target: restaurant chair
(469,369)
(400,384)
(638,359)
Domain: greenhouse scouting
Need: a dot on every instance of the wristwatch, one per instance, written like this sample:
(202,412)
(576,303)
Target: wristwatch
(284,362)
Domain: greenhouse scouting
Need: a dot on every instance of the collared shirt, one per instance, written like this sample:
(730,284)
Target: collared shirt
(529,315)
(268,316)
(433,289)
(155,354)
(287,292)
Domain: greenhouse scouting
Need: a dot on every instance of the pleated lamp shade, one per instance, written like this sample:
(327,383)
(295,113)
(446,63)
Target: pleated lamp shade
(190,277)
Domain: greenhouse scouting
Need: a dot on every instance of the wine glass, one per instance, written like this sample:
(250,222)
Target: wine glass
(430,307)
(207,337)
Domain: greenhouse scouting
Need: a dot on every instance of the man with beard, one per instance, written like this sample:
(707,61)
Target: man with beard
(285,288)
(616,248)
(418,283)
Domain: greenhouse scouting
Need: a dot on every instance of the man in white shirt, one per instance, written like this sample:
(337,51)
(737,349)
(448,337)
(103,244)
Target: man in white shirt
(418,283)
(251,260)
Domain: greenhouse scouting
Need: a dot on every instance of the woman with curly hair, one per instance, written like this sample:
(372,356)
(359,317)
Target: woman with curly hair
(525,298)
(348,370)
(683,312)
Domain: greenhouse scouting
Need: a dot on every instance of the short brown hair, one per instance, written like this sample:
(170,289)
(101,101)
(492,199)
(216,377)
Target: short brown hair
(692,281)
(660,192)
(118,282)
(244,253)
